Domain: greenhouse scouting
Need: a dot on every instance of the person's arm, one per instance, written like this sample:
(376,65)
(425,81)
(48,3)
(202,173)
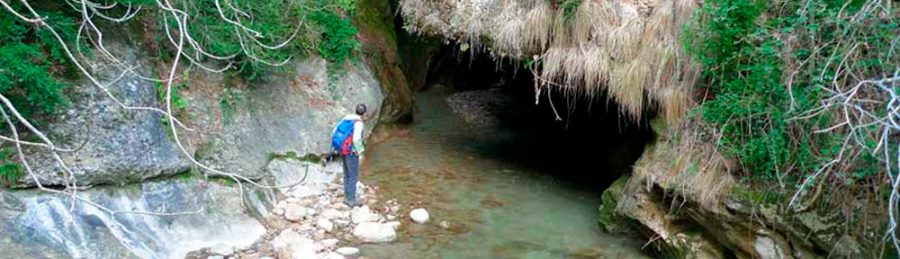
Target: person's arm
(358,129)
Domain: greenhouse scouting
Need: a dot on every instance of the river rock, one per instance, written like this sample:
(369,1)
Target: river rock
(393,224)
(347,251)
(331,255)
(294,212)
(319,235)
(362,214)
(419,215)
(444,224)
(291,244)
(325,225)
(341,222)
(332,214)
(329,243)
(371,232)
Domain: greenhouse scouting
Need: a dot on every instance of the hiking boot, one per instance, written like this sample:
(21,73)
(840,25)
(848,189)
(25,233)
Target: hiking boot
(352,204)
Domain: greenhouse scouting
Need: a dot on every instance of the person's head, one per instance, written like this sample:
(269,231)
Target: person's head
(360,109)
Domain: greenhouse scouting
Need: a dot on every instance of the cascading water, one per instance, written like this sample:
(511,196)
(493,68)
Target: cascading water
(46,225)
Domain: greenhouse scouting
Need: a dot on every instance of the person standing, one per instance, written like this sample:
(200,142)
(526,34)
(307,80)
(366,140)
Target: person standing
(347,140)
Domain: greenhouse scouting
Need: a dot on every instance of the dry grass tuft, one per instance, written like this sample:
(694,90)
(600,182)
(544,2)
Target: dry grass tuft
(537,27)
(694,168)
(627,48)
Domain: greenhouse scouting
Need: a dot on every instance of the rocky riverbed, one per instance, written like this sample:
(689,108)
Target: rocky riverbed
(310,220)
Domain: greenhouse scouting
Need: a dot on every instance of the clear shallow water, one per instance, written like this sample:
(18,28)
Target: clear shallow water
(495,208)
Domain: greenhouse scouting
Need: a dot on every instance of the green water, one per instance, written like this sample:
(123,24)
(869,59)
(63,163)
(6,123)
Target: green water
(494,207)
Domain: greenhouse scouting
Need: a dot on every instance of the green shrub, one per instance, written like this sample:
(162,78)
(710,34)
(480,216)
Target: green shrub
(31,63)
(10,172)
(338,36)
(742,46)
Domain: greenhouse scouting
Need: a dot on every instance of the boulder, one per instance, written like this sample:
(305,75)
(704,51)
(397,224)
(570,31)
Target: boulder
(291,244)
(371,232)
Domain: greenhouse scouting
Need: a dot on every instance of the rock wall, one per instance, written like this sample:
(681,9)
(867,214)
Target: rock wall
(242,125)
(114,144)
(682,199)
(131,160)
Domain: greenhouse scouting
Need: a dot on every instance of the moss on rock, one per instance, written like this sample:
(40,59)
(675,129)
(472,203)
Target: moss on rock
(608,218)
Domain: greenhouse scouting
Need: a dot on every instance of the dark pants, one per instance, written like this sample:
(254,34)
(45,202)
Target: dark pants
(351,172)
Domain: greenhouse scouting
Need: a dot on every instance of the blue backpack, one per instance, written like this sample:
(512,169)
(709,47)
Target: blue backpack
(342,140)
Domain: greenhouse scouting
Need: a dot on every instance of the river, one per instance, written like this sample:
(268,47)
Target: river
(494,206)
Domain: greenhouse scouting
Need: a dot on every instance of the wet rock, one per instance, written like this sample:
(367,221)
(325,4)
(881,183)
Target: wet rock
(371,232)
(419,215)
(348,251)
(53,230)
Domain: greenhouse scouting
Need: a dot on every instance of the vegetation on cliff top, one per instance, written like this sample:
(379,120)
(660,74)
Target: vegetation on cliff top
(801,94)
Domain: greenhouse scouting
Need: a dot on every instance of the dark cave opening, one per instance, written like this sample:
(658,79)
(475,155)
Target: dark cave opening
(590,146)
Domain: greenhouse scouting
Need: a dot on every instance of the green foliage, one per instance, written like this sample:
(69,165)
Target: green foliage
(10,172)
(741,45)
(569,8)
(332,35)
(338,36)
(31,62)
(348,6)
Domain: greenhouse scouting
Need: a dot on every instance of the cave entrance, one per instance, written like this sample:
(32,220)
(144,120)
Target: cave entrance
(500,175)
(582,140)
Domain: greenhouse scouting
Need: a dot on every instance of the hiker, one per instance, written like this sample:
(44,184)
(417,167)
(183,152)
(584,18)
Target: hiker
(347,140)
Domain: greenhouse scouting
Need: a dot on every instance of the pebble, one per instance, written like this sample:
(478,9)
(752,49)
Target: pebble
(444,224)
